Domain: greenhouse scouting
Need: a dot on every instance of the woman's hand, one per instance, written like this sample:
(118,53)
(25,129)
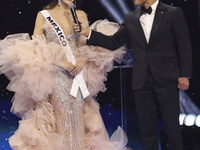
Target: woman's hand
(78,67)
(66,65)
(84,29)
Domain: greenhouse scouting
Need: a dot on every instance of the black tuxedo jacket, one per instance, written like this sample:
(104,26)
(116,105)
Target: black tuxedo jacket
(168,53)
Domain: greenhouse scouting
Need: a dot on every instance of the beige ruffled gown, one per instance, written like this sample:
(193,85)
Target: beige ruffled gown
(51,118)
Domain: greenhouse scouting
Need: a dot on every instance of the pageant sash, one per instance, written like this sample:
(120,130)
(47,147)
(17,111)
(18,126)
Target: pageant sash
(78,80)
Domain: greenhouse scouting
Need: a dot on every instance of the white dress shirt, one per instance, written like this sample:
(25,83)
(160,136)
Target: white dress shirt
(146,21)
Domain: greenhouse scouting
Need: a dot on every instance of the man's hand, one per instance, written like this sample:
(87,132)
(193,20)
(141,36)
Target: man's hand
(183,83)
(78,67)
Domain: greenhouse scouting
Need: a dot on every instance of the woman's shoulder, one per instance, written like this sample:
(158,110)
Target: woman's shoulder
(41,11)
(81,13)
(40,16)
(82,16)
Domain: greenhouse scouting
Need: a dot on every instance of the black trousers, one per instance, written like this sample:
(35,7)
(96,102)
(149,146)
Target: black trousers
(148,100)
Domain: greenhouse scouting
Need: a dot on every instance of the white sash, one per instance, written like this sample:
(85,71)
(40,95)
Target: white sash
(78,80)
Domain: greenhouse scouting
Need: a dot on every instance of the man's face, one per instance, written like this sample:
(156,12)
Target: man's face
(139,2)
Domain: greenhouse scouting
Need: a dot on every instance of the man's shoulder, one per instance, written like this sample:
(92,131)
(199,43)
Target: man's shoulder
(167,6)
(132,13)
(137,10)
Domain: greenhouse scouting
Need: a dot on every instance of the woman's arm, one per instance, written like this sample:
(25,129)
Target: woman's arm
(82,17)
(38,30)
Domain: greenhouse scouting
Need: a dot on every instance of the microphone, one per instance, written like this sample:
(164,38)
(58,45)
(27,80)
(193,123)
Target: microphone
(71,6)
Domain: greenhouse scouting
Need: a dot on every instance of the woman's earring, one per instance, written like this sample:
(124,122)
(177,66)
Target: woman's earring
(59,3)
(75,3)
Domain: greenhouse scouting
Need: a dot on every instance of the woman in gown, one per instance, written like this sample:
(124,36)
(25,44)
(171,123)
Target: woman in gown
(41,77)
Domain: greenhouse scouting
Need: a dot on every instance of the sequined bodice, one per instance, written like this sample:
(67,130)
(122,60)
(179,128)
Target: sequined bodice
(52,37)
(69,116)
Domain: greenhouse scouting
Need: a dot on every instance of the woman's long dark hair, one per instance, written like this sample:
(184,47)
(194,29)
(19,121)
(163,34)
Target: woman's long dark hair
(53,4)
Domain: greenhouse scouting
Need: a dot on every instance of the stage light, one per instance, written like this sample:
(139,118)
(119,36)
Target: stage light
(189,120)
(197,121)
(181,118)
(123,6)
(113,11)
(187,106)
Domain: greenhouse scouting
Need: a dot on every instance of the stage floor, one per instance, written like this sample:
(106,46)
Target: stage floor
(111,117)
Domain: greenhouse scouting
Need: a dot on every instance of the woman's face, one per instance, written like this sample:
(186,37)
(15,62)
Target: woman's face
(67,1)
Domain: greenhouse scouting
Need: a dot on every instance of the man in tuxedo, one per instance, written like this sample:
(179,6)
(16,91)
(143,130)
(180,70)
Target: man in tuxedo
(162,64)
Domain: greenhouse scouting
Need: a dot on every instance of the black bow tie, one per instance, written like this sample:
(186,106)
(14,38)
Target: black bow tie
(144,10)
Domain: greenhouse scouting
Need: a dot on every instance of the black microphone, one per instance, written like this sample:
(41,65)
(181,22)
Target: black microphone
(71,6)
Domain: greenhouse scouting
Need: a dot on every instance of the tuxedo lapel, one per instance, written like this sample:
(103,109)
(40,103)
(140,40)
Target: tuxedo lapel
(159,15)
(139,27)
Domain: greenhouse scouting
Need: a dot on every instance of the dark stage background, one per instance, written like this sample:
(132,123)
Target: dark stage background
(18,16)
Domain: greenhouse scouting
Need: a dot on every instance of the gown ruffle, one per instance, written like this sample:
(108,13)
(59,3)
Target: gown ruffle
(31,65)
